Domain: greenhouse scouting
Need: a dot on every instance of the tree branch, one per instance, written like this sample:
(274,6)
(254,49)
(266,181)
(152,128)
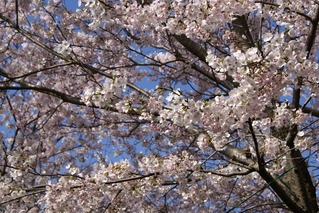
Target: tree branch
(192,47)
(312,33)
(201,53)
(22,196)
(311,111)
(260,159)
(241,156)
(233,174)
(287,8)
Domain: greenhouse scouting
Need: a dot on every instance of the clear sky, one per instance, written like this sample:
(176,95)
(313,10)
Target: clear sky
(73,4)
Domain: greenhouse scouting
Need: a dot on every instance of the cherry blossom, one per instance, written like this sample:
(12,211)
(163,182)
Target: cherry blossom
(63,48)
(159,106)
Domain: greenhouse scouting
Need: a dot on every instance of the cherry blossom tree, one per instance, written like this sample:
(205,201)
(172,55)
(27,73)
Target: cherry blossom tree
(159,106)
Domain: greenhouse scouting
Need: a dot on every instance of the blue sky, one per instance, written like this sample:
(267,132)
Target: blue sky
(72,4)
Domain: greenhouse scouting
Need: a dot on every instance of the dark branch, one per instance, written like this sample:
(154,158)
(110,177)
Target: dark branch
(312,33)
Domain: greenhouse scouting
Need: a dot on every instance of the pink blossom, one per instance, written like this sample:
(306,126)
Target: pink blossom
(159,106)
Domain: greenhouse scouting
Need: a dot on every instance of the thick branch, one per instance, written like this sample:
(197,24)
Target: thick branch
(241,156)
(312,33)
(192,47)
(232,174)
(311,111)
(243,38)
(201,53)
(280,190)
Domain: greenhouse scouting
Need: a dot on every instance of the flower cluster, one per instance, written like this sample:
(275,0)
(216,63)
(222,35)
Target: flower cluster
(92,120)
(104,94)
(64,48)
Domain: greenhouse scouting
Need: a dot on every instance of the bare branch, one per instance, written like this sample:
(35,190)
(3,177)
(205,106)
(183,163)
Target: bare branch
(232,174)
(241,156)
(22,196)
